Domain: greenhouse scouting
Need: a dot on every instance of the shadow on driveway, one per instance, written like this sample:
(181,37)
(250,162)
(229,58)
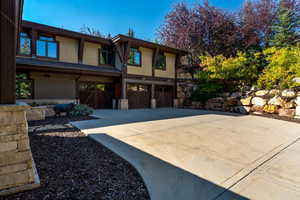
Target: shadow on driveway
(165,181)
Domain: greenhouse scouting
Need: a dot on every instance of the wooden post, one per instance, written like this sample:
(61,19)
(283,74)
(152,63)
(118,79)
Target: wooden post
(10,14)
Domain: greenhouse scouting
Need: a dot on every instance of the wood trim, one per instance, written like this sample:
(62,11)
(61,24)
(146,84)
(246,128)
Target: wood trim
(81,50)
(150,78)
(154,59)
(65,33)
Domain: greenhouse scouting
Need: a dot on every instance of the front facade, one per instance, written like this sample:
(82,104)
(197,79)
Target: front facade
(59,66)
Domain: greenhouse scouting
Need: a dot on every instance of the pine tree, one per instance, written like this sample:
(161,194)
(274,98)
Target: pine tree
(130,32)
(285,28)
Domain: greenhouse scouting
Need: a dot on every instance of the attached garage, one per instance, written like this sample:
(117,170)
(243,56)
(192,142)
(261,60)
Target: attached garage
(138,96)
(164,96)
(96,95)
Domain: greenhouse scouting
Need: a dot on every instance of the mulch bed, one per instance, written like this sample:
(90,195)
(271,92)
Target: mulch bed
(275,116)
(72,166)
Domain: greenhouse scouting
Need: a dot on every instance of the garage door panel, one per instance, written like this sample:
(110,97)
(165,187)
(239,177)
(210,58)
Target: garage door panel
(138,96)
(164,96)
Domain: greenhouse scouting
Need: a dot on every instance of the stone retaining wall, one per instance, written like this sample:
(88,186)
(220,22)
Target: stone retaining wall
(281,102)
(17,169)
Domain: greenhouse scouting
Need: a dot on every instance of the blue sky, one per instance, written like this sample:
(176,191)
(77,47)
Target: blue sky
(109,16)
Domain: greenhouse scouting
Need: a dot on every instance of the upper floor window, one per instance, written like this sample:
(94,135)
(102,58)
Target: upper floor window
(161,62)
(106,56)
(134,57)
(25,44)
(47,47)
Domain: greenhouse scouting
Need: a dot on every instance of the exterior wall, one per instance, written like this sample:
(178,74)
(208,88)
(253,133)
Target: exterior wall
(91,53)
(146,68)
(17,170)
(170,67)
(68,49)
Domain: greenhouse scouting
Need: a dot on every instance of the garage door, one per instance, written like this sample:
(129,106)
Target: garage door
(138,96)
(164,96)
(96,95)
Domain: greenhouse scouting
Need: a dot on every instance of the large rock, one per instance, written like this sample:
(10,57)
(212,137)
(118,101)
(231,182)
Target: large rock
(287,112)
(242,109)
(35,114)
(246,101)
(289,104)
(231,101)
(277,101)
(258,101)
(297,112)
(271,109)
(236,94)
(289,93)
(298,101)
(257,109)
(261,93)
(274,92)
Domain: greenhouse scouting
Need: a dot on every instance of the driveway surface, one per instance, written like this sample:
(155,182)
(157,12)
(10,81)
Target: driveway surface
(193,154)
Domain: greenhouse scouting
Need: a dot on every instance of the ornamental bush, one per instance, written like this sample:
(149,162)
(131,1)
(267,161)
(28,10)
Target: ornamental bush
(81,110)
(283,67)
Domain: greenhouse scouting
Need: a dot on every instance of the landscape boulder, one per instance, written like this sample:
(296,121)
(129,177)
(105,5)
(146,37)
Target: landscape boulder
(289,93)
(257,109)
(298,101)
(242,109)
(289,104)
(258,101)
(261,93)
(286,112)
(277,101)
(297,112)
(246,101)
(274,92)
(272,109)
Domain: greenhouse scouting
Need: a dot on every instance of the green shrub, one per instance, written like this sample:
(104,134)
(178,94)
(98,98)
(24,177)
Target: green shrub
(283,67)
(206,91)
(81,110)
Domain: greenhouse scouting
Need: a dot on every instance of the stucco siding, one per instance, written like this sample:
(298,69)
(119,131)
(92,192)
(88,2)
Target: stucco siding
(91,53)
(170,67)
(68,49)
(146,68)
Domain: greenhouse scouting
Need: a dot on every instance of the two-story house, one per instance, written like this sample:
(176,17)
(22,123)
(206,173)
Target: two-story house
(57,65)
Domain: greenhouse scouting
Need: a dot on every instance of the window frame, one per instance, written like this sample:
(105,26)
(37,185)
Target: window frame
(47,47)
(157,66)
(30,40)
(100,51)
(136,50)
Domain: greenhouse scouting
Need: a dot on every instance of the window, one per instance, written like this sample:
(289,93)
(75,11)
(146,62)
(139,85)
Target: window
(134,57)
(24,86)
(47,47)
(161,62)
(25,44)
(106,56)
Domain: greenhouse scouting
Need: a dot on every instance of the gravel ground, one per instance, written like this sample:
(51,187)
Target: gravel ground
(71,166)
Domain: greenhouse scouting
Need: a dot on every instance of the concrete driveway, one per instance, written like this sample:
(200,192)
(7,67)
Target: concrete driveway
(201,155)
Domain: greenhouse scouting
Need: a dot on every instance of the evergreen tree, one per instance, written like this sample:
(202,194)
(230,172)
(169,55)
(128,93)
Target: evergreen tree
(130,32)
(286,27)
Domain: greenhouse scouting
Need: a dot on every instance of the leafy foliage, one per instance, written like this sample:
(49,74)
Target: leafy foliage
(81,110)
(23,86)
(206,91)
(283,67)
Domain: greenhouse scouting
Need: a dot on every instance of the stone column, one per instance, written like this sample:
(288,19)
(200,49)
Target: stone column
(123,104)
(153,100)
(17,168)
(153,103)
(176,103)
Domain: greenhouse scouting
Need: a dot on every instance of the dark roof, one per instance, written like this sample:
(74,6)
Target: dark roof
(46,65)
(145,43)
(64,32)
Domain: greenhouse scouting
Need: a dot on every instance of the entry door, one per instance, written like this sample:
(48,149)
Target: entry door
(164,96)
(138,96)
(96,95)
